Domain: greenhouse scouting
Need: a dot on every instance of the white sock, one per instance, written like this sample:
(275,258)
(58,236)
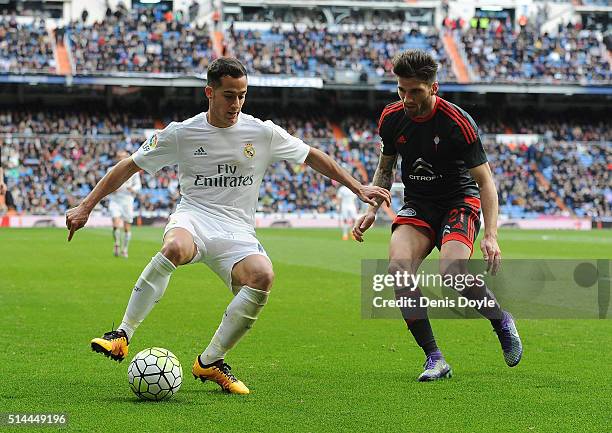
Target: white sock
(148,290)
(126,240)
(239,317)
(116,236)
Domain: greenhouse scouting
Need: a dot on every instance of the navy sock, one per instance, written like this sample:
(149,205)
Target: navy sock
(423,335)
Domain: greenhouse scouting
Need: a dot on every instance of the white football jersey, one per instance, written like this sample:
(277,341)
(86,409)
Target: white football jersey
(133,183)
(220,169)
(347,199)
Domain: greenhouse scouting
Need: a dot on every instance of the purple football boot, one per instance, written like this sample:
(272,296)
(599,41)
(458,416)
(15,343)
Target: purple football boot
(436,368)
(510,340)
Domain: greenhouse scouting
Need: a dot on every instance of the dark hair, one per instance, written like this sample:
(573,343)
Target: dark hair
(417,64)
(224,66)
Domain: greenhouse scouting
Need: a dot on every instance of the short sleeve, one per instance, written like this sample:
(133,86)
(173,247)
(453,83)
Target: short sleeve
(387,146)
(284,146)
(474,154)
(472,149)
(159,150)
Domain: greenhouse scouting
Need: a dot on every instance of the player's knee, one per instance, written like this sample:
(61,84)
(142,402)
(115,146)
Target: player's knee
(451,269)
(176,252)
(395,267)
(402,267)
(261,279)
(403,277)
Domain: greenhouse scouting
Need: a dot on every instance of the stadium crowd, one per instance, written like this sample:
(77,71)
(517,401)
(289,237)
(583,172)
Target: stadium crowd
(289,188)
(580,175)
(52,160)
(499,53)
(316,16)
(363,43)
(25,47)
(321,51)
(140,40)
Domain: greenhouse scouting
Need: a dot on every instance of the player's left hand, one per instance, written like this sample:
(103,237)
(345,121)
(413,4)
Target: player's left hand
(491,253)
(2,187)
(76,218)
(368,194)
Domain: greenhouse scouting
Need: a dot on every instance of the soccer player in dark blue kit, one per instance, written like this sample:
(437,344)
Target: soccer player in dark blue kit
(446,177)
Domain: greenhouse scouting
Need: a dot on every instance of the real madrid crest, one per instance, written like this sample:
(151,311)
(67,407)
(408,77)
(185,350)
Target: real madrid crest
(249,150)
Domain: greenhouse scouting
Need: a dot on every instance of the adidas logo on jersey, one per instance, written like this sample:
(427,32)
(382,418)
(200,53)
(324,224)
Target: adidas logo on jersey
(200,152)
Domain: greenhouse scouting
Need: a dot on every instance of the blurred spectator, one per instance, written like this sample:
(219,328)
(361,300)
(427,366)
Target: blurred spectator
(194,10)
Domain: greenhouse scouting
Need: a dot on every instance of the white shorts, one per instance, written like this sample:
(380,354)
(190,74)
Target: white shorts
(348,214)
(219,247)
(122,208)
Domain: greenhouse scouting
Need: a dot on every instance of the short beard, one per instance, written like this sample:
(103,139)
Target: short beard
(424,107)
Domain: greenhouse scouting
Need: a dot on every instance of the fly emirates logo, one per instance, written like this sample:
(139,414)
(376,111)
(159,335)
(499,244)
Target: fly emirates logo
(225,178)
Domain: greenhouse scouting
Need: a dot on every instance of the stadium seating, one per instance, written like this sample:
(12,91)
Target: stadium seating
(140,40)
(321,51)
(25,47)
(52,160)
(267,40)
(500,54)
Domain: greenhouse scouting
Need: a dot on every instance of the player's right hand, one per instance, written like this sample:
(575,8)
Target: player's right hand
(363,223)
(76,218)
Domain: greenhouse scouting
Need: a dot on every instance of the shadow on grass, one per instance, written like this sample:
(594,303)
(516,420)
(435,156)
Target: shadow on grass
(190,396)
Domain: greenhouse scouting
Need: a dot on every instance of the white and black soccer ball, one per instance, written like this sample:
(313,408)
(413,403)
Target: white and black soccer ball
(155,374)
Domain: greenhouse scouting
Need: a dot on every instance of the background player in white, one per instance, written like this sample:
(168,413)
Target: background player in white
(348,210)
(121,208)
(2,184)
(3,190)
(222,156)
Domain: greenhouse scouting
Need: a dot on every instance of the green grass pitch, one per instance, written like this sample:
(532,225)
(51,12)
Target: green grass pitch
(312,363)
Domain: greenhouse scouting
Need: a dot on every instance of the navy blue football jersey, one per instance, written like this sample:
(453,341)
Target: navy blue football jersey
(437,150)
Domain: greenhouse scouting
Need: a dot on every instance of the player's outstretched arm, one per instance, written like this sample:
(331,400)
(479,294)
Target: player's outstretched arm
(488,196)
(383,177)
(325,165)
(77,217)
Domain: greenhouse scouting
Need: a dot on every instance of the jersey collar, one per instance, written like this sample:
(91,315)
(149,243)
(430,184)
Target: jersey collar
(210,125)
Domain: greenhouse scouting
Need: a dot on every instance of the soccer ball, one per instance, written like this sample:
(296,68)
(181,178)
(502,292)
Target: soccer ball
(155,374)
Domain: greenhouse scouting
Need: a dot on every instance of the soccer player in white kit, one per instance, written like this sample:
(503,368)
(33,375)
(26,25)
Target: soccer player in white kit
(2,184)
(121,208)
(222,156)
(348,210)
